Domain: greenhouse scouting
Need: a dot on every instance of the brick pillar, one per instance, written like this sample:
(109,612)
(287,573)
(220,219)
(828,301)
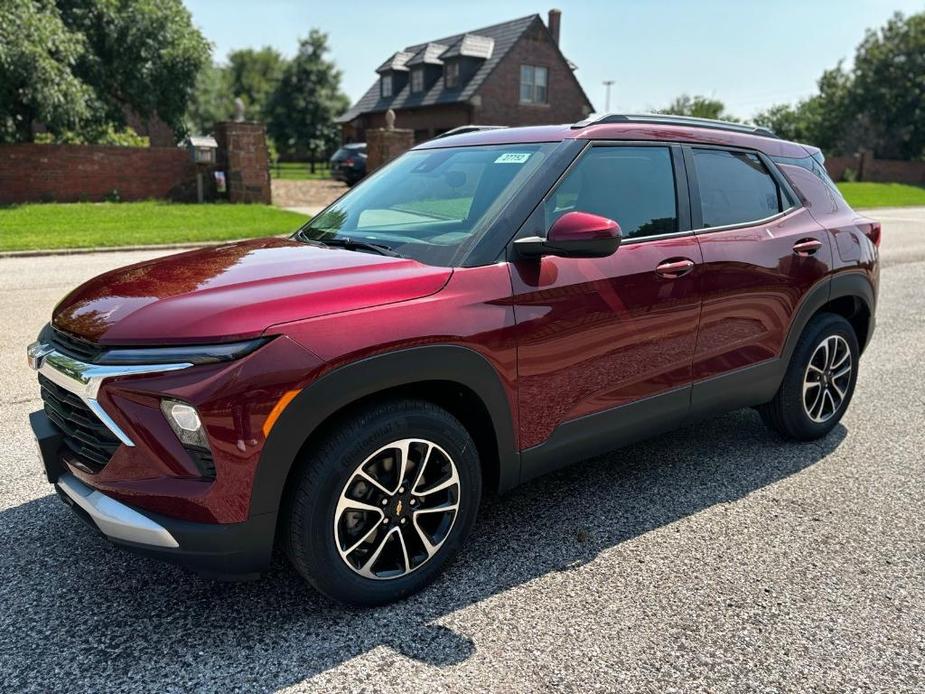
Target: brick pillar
(242,155)
(384,144)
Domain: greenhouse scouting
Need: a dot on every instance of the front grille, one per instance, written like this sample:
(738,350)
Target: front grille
(91,442)
(74,346)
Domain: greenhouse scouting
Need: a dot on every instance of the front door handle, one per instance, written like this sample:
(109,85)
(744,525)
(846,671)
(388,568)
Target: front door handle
(673,269)
(806,246)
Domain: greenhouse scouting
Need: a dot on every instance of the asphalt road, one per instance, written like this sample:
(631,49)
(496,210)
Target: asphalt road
(714,558)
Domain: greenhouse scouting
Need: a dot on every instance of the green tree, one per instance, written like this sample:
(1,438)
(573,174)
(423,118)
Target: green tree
(78,66)
(878,104)
(254,75)
(697,107)
(888,89)
(38,54)
(212,99)
(303,107)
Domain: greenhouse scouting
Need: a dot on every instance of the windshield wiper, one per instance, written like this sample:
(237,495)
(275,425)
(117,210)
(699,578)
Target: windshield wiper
(357,245)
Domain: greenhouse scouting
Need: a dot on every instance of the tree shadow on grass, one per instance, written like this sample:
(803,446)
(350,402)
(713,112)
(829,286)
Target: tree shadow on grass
(81,614)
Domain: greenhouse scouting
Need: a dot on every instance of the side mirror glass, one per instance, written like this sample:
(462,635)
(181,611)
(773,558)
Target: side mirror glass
(574,235)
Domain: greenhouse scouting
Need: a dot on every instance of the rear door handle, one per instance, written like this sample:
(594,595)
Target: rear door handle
(806,246)
(673,269)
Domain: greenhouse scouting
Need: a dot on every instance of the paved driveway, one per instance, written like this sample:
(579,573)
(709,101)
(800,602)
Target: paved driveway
(715,557)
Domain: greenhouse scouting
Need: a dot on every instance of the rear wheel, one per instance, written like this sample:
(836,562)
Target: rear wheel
(819,381)
(384,502)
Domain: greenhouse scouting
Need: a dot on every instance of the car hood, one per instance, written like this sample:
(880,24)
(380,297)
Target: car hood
(236,291)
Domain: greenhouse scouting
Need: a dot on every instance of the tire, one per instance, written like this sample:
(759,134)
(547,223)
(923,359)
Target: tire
(811,415)
(333,543)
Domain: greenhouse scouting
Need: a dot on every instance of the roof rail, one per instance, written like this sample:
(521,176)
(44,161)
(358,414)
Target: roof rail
(664,119)
(462,129)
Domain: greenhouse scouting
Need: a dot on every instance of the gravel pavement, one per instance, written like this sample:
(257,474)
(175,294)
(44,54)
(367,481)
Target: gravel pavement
(713,558)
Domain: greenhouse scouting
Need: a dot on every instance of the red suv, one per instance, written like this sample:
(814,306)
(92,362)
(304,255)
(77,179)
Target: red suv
(487,308)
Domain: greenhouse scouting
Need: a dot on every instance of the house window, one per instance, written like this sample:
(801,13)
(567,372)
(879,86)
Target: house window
(451,75)
(386,86)
(533,84)
(417,80)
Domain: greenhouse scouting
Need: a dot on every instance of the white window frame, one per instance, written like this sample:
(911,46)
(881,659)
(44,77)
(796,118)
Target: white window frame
(534,84)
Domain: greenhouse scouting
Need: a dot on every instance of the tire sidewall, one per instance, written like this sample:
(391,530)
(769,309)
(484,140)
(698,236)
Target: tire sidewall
(793,410)
(326,570)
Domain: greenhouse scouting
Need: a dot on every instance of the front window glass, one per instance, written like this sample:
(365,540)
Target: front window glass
(634,186)
(735,187)
(386,86)
(430,203)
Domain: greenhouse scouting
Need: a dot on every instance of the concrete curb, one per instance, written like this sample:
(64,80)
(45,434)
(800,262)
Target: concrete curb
(119,249)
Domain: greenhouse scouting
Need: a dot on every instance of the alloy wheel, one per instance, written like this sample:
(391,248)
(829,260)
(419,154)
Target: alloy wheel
(397,509)
(827,378)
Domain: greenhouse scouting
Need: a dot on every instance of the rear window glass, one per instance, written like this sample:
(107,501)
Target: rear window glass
(735,187)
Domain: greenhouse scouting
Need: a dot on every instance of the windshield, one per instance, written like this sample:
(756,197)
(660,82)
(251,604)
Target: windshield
(429,204)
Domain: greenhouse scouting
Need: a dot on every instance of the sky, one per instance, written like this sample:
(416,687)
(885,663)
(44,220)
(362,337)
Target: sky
(749,54)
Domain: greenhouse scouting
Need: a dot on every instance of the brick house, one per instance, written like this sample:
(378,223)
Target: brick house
(506,74)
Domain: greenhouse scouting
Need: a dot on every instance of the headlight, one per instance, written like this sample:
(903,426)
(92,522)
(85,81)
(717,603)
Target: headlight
(184,354)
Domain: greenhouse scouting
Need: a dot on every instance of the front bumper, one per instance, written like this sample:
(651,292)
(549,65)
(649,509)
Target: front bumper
(230,550)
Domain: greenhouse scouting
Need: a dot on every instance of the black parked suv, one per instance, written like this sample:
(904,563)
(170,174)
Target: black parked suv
(349,163)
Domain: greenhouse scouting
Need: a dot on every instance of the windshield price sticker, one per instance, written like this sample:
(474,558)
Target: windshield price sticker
(513,158)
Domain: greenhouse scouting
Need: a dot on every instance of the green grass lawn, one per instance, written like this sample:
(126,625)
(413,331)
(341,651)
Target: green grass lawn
(82,225)
(882,194)
(299,171)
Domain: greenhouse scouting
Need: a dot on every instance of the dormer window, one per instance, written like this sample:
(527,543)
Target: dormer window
(385,86)
(417,80)
(451,75)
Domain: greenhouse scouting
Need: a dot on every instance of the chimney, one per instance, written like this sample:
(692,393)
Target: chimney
(555,20)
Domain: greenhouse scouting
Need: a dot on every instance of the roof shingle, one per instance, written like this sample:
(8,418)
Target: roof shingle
(502,36)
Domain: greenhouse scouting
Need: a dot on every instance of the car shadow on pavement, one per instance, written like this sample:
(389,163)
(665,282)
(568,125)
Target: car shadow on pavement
(81,614)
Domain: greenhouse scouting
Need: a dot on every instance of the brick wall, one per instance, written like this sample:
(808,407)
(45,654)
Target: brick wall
(74,173)
(500,94)
(867,168)
(382,146)
(242,155)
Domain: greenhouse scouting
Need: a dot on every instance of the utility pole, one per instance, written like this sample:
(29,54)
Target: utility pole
(607,84)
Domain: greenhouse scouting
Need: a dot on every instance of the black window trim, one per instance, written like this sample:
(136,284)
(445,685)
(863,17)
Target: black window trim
(681,184)
(783,186)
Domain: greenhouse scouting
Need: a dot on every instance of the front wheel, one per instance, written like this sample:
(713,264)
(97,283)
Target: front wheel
(384,502)
(819,381)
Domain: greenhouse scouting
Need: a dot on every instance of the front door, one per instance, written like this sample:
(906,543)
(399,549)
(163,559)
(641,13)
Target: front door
(595,334)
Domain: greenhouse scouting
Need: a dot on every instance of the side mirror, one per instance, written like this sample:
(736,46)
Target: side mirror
(574,235)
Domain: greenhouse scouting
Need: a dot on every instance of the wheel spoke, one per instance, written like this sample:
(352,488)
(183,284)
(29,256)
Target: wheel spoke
(841,392)
(369,478)
(346,502)
(429,547)
(419,476)
(449,482)
(402,447)
(816,401)
(404,552)
(810,384)
(843,372)
(350,550)
(437,509)
(368,566)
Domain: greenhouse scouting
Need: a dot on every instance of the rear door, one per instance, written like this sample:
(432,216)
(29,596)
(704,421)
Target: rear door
(595,334)
(762,252)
